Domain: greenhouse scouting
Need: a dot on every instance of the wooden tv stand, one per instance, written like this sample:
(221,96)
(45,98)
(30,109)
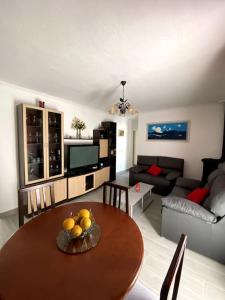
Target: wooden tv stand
(81,184)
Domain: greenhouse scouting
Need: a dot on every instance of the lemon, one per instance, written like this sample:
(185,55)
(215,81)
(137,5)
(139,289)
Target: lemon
(76,231)
(85,223)
(76,218)
(84,213)
(68,223)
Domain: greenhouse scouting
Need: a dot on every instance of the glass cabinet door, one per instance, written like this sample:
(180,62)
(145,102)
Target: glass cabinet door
(34,145)
(55,144)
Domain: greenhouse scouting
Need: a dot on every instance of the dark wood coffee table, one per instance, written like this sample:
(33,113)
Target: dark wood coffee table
(32,267)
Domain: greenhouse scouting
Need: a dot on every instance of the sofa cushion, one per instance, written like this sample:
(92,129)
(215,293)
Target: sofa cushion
(188,183)
(198,195)
(216,200)
(180,192)
(137,169)
(172,175)
(153,180)
(154,170)
(146,160)
(187,207)
(170,162)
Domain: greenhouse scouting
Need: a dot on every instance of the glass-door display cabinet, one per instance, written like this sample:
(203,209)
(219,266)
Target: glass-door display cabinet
(41,148)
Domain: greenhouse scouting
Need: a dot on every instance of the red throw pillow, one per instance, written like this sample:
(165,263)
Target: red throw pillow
(198,195)
(154,170)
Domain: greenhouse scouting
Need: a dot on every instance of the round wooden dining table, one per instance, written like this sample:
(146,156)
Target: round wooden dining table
(32,267)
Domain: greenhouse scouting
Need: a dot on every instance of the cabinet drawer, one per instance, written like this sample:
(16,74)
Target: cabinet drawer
(76,186)
(60,190)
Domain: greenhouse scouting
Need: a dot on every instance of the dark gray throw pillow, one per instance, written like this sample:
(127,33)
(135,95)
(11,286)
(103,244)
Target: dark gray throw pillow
(138,169)
(216,200)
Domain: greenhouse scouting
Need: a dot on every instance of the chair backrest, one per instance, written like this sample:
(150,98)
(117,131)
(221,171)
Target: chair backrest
(115,192)
(174,272)
(34,200)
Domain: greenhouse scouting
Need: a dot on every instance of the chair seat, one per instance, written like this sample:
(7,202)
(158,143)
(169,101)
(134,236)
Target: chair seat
(140,292)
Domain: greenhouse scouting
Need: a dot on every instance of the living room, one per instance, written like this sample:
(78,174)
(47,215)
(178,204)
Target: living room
(72,60)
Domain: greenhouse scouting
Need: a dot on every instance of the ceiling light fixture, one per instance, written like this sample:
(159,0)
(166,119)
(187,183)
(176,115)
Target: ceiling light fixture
(122,107)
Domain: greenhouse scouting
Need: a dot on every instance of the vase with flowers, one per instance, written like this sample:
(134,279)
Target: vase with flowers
(78,125)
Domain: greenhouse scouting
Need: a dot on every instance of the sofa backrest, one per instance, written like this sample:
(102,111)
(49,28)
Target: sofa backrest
(146,160)
(170,163)
(161,161)
(215,202)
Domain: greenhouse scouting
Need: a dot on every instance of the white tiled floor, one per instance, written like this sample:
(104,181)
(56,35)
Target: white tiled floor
(202,278)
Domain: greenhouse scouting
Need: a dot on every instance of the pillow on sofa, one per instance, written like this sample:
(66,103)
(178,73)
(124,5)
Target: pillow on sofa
(154,170)
(138,169)
(198,195)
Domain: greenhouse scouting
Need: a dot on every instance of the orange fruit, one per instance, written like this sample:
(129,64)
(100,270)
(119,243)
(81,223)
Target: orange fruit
(84,213)
(68,223)
(85,223)
(76,231)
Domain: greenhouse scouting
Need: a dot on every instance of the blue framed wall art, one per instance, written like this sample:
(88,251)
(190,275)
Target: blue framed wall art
(177,131)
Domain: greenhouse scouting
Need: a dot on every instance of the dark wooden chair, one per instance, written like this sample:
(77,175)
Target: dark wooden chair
(34,200)
(139,292)
(115,192)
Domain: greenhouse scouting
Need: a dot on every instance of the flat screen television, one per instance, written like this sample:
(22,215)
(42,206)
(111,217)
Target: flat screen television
(82,157)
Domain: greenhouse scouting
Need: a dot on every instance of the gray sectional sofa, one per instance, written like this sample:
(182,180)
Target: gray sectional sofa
(172,169)
(204,224)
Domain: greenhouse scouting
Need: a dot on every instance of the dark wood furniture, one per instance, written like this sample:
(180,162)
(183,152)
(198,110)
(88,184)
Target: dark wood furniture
(114,197)
(41,145)
(34,200)
(105,137)
(33,268)
(211,164)
(174,272)
(139,292)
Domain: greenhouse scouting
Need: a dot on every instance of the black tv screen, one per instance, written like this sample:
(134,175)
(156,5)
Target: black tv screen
(82,156)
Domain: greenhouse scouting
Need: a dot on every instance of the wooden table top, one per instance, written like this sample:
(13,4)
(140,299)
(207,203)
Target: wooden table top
(32,267)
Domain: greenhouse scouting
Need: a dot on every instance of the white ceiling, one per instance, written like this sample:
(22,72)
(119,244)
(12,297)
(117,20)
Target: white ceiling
(170,52)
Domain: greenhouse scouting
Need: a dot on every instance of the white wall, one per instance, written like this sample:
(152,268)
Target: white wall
(10,96)
(205,140)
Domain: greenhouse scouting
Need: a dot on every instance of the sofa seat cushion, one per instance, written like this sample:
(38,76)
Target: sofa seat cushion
(180,192)
(173,175)
(216,200)
(184,206)
(154,180)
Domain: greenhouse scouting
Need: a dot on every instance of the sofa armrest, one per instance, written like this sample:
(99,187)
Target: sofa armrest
(188,183)
(185,206)
(137,169)
(172,175)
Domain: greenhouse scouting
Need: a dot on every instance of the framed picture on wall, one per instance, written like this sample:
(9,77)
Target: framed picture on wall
(120,132)
(177,131)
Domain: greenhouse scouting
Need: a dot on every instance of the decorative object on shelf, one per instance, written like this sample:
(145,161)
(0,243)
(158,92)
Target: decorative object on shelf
(71,137)
(120,132)
(78,125)
(41,103)
(122,107)
(79,234)
(168,131)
